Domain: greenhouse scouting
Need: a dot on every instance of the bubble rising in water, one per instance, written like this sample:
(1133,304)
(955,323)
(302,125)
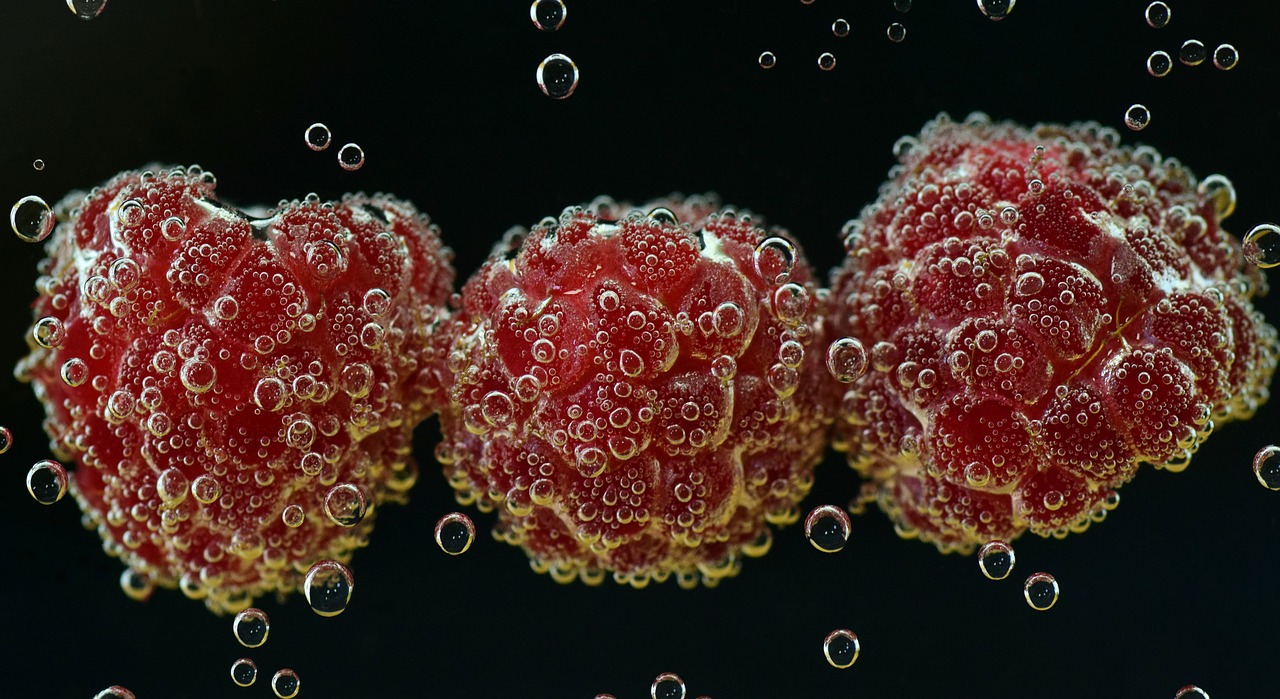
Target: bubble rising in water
(251,627)
(668,685)
(996,10)
(1261,246)
(136,586)
(87,10)
(548,15)
(115,692)
(317,136)
(1159,63)
(31,219)
(351,157)
(244,672)
(774,259)
(1266,467)
(1137,117)
(557,76)
(1225,57)
(1191,692)
(996,560)
(47,482)
(1157,15)
(827,61)
(1041,591)
(840,28)
(38,164)
(847,359)
(285,683)
(896,32)
(328,587)
(346,505)
(841,648)
(767,60)
(454,533)
(1192,52)
(6,439)
(827,528)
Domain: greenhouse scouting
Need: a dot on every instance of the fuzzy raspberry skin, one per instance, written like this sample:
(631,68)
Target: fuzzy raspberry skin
(620,413)
(1026,360)
(307,364)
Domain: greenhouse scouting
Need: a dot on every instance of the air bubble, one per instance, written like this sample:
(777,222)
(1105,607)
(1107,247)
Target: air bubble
(1191,692)
(668,685)
(376,302)
(47,482)
(351,157)
(896,32)
(548,15)
(317,136)
(31,219)
(173,228)
(996,10)
(454,533)
(1266,467)
(197,375)
(226,308)
(74,372)
(285,684)
(328,587)
(1158,15)
(767,60)
(244,672)
(902,5)
(1221,192)
(1159,63)
(557,76)
(345,504)
(774,260)
(270,393)
(6,439)
(86,9)
(135,585)
(1225,57)
(846,359)
(251,627)
(38,164)
(115,692)
(840,28)
(293,516)
(1137,116)
(1192,52)
(1040,591)
(826,61)
(841,648)
(996,560)
(205,489)
(49,333)
(1261,246)
(827,528)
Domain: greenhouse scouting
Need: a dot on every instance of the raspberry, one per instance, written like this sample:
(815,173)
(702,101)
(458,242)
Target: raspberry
(639,395)
(239,392)
(1045,310)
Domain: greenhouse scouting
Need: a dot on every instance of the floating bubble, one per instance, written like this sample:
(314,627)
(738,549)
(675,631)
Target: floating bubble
(668,685)
(767,60)
(87,9)
(454,533)
(557,76)
(136,586)
(31,219)
(244,672)
(293,516)
(1261,246)
(841,648)
(351,157)
(996,560)
(827,528)
(1158,15)
(38,164)
(285,683)
(115,692)
(6,439)
(826,61)
(1192,52)
(902,5)
(840,28)
(1137,117)
(48,332)
(346,505)
(1225,57)
(1266,467)
(1219,190)
(774,259)
(1040,591)
(1159,64)
(74,372)
(1191,692)
(328,587)
(896,32)
(47,482)
(548,15)
(317,136)
(251,627)
(846,359)
(996,10)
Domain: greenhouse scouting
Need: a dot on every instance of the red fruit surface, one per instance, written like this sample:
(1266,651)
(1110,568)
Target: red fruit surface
(1045,309)
(218,377)
(636,394)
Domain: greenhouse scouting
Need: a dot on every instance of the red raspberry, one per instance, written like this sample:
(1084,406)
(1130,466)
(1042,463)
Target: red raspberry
(1045,310)
(239,392)
(639,395)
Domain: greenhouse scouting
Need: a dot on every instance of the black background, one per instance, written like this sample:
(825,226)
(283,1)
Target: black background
(1177,587)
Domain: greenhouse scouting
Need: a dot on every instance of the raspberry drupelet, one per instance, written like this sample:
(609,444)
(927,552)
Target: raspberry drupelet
(638,393)
(1044,310)
(239,393)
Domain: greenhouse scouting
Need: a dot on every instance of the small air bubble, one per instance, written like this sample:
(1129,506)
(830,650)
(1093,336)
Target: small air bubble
(902,5)
(548,15)
(87,9)
(454,533)
(1158,15)
(1041,591)
(767,60)
(244,672)
(115,692)
(285,684)
(6,439)
(38,164)
(847,359)
(1159,64)
(328,587)
(827,528)
(1225,57)
(840,28)
(557,76)
(841,648)
(1192,52)
(1191,692)
(896,32)
(996,10)
(1261,246)
(826,61)
(251,627)
(47,482)
(668,685)
(31,219)
(1266,467)
(996,560)
(317,137)
(351,157)
(1137,117)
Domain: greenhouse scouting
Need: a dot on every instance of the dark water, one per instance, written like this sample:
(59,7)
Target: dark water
(1172,589)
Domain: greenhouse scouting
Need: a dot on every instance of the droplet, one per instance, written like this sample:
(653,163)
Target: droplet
(31,219)
(1191,692)
(1261,246)
(1266,467)
(48,332)
(317,136)
(74,372)
(557,76)
(86,9)
(668,685)
(115,692)
(285,683)
(841,648)
(351,157)
(47,482)
(1137,117)
(1158,15)
(251,627)
(548,15)
(1221,192)
(6,439)
(1225,57)
(454,533)
(896,32)
(1040,591)
(840,28)
(767,60)
(244,672)
(827,528)
(1192,52)
(328,587)
(1159,64)
(996,560)
(346,505)
(846,359)
(38,164)
(826,61)
(996,10)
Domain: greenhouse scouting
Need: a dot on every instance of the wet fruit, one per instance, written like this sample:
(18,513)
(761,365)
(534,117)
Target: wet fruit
(1044,310)
(238,393)
(638,393)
